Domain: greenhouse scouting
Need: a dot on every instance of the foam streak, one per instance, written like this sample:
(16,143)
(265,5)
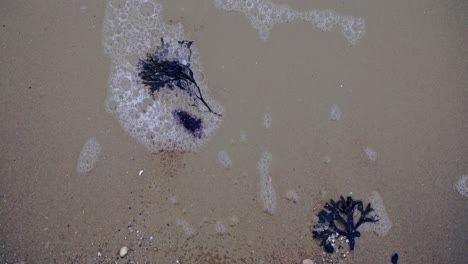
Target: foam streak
(264,14)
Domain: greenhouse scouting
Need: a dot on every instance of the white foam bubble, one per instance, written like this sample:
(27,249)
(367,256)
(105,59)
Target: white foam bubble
(243,136)
(234,220)
(264,14)
(384,224)
(88,156)
(267,191)
(186,227)
(133,28)
(173,199)
(292,196)
(462,185)
(224,159)
(267,119)
(335,113)
(220,228)
(263,165)
(371,153)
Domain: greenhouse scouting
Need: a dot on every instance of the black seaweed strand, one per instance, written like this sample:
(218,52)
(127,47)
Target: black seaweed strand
(156,72)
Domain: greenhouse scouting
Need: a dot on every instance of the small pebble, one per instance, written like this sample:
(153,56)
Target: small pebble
(307,261)
(123,251)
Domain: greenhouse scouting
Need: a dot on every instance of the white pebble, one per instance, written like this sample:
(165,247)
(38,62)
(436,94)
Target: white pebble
(123,251)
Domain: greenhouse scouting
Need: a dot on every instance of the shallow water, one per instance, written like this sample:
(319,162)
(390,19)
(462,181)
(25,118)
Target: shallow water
(387,114)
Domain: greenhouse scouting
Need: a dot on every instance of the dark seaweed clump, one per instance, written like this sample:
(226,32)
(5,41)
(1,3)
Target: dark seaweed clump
(337,219)
(191,123)
(160,70)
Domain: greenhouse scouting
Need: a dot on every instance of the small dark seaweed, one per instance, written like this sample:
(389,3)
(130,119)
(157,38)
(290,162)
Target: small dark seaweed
(191,123)
(338,218)
(158,71)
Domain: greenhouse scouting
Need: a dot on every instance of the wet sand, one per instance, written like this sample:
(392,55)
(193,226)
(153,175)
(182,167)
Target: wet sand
(402,91)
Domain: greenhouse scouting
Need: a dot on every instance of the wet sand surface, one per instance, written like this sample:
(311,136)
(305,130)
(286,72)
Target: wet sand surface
(401,91)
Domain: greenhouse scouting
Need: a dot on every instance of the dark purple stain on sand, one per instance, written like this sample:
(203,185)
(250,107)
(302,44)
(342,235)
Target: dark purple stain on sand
(191,123)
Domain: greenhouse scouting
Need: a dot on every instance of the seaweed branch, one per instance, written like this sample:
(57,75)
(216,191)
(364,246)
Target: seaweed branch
(161,69)
(337,220)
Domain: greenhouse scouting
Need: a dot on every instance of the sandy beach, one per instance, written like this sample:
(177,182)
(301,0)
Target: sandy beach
(307,116)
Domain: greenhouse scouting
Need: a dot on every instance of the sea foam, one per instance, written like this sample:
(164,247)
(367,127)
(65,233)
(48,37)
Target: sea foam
(88,156)
(370,153)
(264,14)
(186,227)
(267,191)
(335,113)
(133,28)
(224,160)
(384,224)
(462,185)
